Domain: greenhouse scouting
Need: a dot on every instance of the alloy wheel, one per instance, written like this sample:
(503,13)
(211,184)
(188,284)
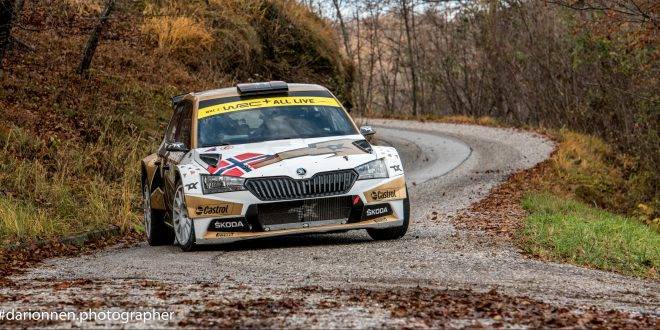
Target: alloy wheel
(182,223)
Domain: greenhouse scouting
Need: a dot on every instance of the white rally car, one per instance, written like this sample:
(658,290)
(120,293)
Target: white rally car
(268,159)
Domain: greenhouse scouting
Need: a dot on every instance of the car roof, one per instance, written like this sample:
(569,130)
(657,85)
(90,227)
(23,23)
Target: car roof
(233,91)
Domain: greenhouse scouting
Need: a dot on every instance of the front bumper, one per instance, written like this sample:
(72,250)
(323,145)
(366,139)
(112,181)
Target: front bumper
(228,237)
(387,194)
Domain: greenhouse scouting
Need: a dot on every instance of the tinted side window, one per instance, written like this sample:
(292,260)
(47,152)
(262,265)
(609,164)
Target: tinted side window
(184,126)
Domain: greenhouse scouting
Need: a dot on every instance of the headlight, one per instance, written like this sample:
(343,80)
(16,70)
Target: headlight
(372,170)
(212,184)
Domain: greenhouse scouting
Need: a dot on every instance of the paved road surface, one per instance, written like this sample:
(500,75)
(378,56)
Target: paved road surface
(448,167)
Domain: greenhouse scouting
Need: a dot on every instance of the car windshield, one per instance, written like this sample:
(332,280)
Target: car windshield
(273,123)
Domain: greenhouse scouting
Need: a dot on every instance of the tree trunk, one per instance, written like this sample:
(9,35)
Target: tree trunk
(6,18)
(344,30)
(372,64)
(411,57)
(93,41)
(360,73)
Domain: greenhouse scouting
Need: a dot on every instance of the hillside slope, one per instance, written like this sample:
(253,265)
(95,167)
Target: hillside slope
(70,144)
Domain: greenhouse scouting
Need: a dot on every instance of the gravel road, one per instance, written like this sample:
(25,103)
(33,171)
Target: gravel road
(448,167)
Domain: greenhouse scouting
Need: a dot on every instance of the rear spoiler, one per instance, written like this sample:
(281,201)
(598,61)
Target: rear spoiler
(250,89)
(262,88)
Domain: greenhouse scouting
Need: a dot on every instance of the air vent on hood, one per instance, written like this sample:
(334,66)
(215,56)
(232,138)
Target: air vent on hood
(210,159)
(363,145)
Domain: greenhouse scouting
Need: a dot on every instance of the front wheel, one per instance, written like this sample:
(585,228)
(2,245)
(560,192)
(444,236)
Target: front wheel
(154,222)
(183,225)
(394,232)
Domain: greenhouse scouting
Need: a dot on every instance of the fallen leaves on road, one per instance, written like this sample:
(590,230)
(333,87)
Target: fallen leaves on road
(252,313)
(465,308)
(14,261)
(500,214)
(238,305)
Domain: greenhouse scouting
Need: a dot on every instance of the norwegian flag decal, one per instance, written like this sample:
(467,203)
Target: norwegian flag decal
(237,165)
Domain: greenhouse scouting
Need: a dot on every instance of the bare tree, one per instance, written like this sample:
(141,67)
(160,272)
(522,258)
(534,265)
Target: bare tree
(406,13)
(342,26)
(633,10)
(358,60)
(588,65)
(93,41)
(372,32)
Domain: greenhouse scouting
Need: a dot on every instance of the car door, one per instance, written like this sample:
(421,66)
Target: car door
(179,132)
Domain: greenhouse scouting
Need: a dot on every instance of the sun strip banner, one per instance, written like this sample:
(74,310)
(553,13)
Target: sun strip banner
(265,103)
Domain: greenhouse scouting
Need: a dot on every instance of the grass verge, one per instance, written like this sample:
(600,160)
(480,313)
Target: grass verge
(592,171)
(588,205)
(565,229)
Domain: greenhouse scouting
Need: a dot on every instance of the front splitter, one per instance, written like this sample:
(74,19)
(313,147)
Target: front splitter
(228,237)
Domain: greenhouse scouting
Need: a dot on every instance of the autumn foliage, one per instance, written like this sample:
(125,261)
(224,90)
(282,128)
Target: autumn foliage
(70,145)
(589,66)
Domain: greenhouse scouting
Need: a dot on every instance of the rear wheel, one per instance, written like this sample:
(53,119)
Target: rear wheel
(183,225)
(394,232)
(154,222)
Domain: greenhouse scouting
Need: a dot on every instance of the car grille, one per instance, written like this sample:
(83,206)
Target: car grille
(320,185)
(320,209)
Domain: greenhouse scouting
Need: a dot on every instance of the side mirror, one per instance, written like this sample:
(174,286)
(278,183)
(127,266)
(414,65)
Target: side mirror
(176,147)
(367,130)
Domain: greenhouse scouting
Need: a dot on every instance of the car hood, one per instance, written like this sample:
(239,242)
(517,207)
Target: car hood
(296,158)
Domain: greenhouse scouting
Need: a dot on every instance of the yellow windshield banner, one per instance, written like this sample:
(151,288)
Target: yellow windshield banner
(265,103)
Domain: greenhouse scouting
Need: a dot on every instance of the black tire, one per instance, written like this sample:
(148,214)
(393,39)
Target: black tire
(189,243)
(393,232)
(157,232)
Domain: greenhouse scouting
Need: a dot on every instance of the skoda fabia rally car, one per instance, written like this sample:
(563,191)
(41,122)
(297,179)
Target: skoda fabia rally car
(268,159)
